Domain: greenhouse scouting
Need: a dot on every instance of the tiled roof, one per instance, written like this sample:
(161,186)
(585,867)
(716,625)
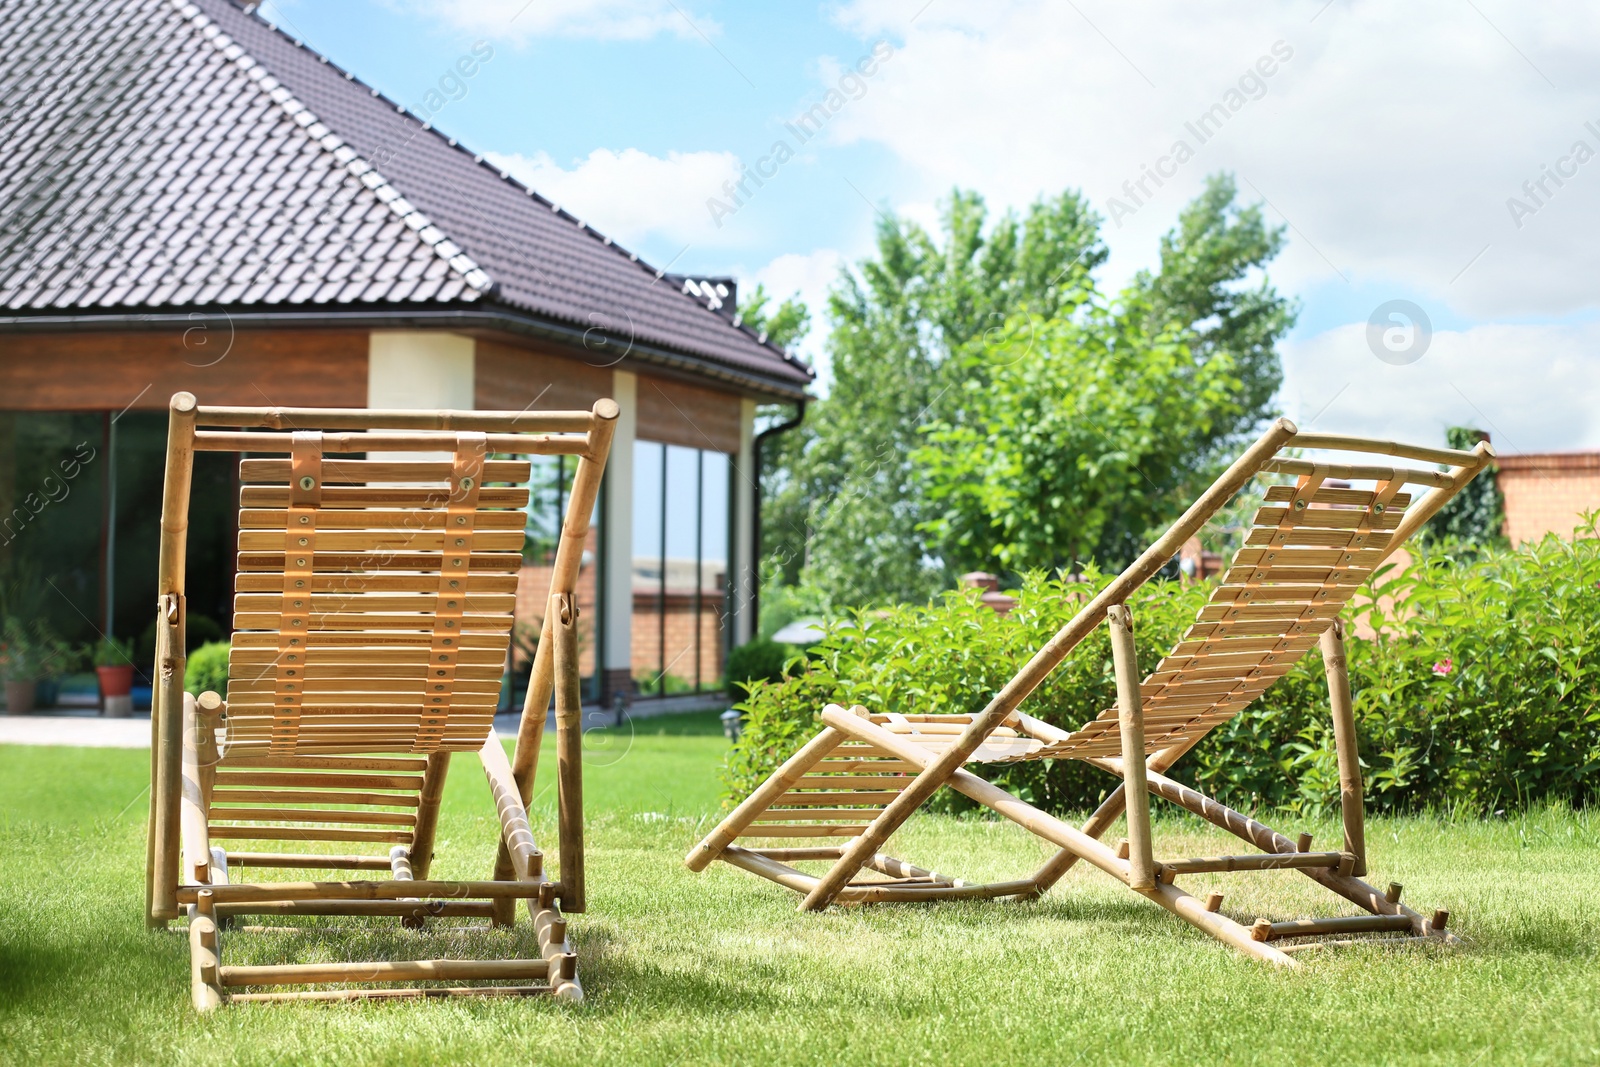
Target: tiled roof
(161,154)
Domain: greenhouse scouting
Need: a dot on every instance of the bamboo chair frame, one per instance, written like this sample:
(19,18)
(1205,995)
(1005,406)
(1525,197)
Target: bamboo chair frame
(385,532)
(1310,549)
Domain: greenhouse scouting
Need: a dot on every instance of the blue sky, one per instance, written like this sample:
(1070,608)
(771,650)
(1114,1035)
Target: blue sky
(1395,142)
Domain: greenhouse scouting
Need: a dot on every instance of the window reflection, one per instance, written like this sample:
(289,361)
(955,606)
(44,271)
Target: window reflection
(680,568)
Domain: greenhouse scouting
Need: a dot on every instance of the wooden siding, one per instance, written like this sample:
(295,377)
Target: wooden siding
(682,414)
(513,378)
(94,371)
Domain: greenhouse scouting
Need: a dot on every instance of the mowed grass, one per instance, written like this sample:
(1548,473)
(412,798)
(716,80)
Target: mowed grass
(718,967)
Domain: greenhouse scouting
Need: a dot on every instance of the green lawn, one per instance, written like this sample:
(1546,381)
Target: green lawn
(720,968)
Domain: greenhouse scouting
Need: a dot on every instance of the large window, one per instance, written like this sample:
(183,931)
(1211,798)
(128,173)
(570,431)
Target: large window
(79,546)
(680,568)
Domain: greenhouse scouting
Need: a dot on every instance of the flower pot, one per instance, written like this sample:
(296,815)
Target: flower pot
(19,697)
(116,683)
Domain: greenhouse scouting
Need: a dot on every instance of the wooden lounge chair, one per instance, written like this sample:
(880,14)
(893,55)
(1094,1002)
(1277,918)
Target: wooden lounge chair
(372,616)
(1311,546)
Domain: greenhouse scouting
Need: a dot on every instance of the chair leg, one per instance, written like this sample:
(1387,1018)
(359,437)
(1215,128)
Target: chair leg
(1344,739)
(422,837)
(1267,839)
(167,713)
(1136,792)
(569,751)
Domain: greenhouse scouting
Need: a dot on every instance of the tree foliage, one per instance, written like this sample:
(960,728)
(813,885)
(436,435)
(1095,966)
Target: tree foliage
(1076,439)
(1477,514)
(937,340)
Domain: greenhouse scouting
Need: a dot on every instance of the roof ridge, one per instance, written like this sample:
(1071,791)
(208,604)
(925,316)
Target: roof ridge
(252,9)
(478,281)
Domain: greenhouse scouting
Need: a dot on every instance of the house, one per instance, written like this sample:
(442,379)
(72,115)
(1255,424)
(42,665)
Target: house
(192,200)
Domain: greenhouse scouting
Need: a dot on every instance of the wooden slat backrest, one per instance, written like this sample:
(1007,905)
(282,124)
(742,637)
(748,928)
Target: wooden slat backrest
(1307,552)
(341,569)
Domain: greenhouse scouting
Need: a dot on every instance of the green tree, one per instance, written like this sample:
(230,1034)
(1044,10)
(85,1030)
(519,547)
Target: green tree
(921,330)
(900,322)
(1477,515)
(783,325)
(1075,436)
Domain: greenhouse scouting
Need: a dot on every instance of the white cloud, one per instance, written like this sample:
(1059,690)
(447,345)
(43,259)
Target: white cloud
(1391,138)
(610,20)
(1534,388)
(631,195)
(811,275)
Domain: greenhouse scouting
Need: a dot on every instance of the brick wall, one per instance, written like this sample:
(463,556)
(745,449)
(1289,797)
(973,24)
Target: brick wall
(1548,492)
(533,593)
(680,626)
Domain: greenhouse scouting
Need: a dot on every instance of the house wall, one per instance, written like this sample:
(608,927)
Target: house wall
(116,371)
(420,369)
(1548,492)
(134,370)
(622,640)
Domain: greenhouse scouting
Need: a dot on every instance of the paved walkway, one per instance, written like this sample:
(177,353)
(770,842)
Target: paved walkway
(89,730)
(84,731)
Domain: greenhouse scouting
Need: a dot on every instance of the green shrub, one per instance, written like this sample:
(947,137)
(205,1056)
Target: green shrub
(759,660)
(207,669)
(1486,693)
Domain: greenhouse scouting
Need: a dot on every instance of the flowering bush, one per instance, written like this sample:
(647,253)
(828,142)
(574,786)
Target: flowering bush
(1485,692)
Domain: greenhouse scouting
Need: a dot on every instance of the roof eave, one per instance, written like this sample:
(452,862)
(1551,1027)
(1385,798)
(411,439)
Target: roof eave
(470,317)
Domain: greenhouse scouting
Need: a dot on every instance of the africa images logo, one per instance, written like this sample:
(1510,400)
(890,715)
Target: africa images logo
(1399,332)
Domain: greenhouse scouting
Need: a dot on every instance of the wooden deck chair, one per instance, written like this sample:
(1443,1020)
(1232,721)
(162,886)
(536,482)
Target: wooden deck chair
(377,574)
(1312,544)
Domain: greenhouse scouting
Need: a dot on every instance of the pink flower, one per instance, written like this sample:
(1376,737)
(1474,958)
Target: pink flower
(1444,666)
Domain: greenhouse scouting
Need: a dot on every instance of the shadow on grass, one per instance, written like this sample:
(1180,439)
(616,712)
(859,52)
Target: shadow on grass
(616,980)
(684,724)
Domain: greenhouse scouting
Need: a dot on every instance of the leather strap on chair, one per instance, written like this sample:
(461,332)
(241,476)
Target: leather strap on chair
(466,479)
(299,548)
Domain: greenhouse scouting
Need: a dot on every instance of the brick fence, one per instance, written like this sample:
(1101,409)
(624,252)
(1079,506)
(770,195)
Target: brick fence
(1548,492)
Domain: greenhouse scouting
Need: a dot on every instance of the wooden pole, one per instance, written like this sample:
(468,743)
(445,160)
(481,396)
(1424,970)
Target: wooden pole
(383,971)
(528,865)
(1130,709)
(428,800)
(527,861)
(1044,661)
(1106,814)
(166,714)
(192,803)
(209,712)
(569,750)
(205,958)
(1336,666)
(1269,840)
(563,579)
(272,418)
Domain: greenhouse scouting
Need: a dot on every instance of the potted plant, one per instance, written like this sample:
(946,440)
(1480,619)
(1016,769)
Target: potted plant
(28,652)
(17,665)
(113,663)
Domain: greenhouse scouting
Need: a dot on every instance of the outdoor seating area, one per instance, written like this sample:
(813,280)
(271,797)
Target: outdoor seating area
(646,532)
